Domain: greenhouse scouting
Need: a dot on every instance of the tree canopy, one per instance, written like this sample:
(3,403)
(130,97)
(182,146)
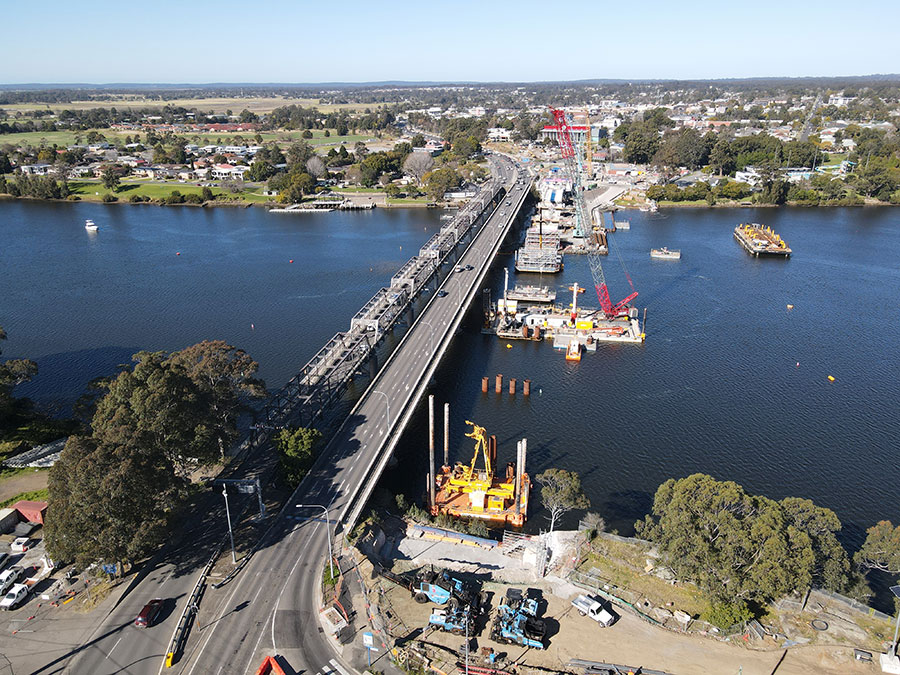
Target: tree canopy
(112,493)
(12,373)
(738,547)
(561,492)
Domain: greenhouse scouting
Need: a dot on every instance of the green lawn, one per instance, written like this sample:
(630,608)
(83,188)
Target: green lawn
(94,191)
(32,496)
(408,200)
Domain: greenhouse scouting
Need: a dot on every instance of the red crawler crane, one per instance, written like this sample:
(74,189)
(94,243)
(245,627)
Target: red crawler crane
(582,223)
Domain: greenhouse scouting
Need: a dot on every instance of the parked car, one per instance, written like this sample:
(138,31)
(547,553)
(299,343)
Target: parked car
(14,598)
(4,560)
(19,545)
(9,577)
(149,613)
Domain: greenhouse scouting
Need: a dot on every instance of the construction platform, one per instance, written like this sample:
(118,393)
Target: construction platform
(515,321)
(760,240)
(531,293)
(464,491)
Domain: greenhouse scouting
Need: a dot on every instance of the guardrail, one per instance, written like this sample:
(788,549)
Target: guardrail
(190,609)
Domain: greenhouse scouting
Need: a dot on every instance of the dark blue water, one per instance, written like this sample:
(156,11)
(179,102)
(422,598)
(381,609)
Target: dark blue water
(165,278)
(714,389)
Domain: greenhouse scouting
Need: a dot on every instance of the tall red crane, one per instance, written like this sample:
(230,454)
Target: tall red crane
(572,161)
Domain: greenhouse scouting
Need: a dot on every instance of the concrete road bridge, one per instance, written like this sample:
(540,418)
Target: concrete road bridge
(272,606)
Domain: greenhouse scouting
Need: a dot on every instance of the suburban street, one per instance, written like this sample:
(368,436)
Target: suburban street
(272,606)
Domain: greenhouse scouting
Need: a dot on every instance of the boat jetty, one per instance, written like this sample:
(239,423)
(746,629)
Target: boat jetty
(760,240)
(324,206)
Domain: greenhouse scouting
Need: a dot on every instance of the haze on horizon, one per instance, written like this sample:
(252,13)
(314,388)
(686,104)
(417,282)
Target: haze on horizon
(464,41)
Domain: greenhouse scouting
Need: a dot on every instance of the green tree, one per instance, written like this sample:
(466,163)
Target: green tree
(297,451)
(740,548)
(641,143)
(832,565)
(12,373)
(439,181)
(561,492)
(158,407)
(881,549)
(110,503)
(110,178)
(225,376)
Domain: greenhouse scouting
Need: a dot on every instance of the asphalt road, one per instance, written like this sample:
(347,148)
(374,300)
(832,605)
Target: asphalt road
(271,607)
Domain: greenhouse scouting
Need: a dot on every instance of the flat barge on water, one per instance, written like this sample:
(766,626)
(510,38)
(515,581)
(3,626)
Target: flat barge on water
(760,240)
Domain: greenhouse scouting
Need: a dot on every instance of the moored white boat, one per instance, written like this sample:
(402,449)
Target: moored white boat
(665,254)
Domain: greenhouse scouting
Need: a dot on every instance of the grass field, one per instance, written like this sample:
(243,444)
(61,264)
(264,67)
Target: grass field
(94,191)
(283,138)
(216,105)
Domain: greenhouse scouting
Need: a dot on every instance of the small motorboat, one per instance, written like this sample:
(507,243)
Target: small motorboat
(573,353)
(665,254)
(90,225)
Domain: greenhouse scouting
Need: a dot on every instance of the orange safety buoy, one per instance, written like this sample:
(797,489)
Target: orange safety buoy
(291,260)
(178,253)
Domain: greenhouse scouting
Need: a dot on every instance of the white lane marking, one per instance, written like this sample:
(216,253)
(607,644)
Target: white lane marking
(109,656)
(278,602)
(339,668)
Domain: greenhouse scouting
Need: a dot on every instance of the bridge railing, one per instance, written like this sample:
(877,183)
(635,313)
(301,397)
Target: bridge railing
(324,377)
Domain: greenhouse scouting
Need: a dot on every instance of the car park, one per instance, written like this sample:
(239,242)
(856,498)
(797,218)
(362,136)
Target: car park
(149,613)
(14,598)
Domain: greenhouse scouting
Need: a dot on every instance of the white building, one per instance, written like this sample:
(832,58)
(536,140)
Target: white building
(499,134)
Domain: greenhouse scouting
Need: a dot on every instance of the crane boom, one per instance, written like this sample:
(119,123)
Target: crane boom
(572,161)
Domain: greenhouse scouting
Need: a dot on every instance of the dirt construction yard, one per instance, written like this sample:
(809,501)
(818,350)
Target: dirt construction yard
(633,642)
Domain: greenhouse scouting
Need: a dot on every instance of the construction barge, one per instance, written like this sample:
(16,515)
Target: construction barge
(571,328)
(465,491)
(760,240)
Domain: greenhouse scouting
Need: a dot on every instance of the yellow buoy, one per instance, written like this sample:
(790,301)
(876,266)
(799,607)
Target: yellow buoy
(831,378)
(509,346)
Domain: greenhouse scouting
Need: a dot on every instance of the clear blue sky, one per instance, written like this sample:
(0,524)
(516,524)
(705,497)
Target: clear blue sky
(197,41)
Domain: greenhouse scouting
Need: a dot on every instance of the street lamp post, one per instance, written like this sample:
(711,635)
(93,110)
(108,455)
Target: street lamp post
(327,533)
(428,323)
(228,518)
(890,662)
(387,404)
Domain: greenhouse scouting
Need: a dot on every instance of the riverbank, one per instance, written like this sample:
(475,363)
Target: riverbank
(381,200)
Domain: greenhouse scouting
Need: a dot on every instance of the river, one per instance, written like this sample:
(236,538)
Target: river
(729,382)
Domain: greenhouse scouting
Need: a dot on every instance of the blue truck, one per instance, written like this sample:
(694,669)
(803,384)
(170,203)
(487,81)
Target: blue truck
(516,621)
